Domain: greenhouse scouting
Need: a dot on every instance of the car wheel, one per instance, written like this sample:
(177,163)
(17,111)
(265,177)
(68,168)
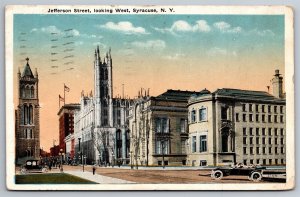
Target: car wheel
(256,176)
(23,171)
(218,174)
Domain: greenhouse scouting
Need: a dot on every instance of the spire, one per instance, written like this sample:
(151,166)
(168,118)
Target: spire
(35,72)
(27,71)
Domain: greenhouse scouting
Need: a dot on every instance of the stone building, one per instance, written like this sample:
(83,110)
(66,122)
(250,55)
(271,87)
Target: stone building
(101,121)
(27,116)
(237,126)
(66,129)
(158,129)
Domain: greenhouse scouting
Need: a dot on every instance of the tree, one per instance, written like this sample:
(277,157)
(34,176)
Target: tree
(104,141)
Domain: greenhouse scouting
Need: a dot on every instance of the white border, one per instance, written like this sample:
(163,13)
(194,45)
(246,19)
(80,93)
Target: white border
(233,10)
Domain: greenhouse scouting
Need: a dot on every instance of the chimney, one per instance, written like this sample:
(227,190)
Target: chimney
(277,85)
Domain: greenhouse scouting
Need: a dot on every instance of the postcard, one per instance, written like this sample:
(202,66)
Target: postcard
(149,97)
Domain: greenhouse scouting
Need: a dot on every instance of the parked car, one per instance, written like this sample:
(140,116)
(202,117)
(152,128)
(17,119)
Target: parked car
(253,172)
(33,166)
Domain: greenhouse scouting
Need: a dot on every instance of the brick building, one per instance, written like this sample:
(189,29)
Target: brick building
(27,127)
(66,128)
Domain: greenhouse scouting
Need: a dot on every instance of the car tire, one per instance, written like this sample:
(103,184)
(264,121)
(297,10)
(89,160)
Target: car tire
(217,174)
(256,176)
(23,171)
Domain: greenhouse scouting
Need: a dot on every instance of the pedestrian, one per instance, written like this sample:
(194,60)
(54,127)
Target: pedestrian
(94,169)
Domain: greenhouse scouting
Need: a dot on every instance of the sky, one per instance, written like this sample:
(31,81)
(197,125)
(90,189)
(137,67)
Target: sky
(160,52)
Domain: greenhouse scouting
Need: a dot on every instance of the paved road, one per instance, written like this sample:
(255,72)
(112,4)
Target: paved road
(96,178)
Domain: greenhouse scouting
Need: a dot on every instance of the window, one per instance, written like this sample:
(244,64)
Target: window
(269,108)
(257,150)
(263,119)
(244,117)
(263,108)
(276,161)
(263,140)
(270,140)
(275,131)
(270,150)
(251,117)
(264,150)
(264,161)
(182,125)
(203,143)
(270,161)
(183,143)
(275,109)
(275,118)
(256,108)
(224,111)
(281,119)
(276,150)
(202,114)
(257,118)
(251,140)
(270,131)
(281,141)
(257,131)
(244,107)
(282,161)
(257,140)
(251,161)
(244,140)
(162,125)
(281,132)
(250,107)
(203,163)
(245,161)
(244,131)
(257,161)
(162,147)
(263,131)
(282,150)
(281,109)
(194,145)
(245,150)
(251,150)
(250,131)
(193,116)
(269,118)
(276,140)
(237,117)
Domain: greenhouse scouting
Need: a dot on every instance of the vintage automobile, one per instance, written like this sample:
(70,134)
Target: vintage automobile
(253,172)
(33,166)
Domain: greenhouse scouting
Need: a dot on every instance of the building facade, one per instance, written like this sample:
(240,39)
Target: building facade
(66,129)
(27,116)
(158,129)
(237,126)
(101,122)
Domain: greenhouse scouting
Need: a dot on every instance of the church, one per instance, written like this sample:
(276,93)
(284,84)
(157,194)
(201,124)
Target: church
(27,127)
(100,131)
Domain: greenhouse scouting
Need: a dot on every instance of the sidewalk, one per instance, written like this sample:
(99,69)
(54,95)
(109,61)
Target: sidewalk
(97,177)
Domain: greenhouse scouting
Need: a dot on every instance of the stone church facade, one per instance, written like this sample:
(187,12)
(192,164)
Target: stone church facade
(100,124)
(27,127)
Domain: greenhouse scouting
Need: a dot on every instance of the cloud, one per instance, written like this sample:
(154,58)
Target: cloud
(124,27)
(183,26)
(226,27)
(150,44)
(176,56)
(266,32)
(216,51)
(50,29)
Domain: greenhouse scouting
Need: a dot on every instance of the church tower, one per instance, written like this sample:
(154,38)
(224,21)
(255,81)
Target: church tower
(27,116)
(103,90)
(277,82)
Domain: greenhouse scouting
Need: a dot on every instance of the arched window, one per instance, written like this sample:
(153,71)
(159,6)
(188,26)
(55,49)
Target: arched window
(30,115)
(25,115)
(32,92)
(28,134)
(27,92)
(105,74)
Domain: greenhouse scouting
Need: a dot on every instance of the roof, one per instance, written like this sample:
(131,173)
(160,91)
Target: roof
(178,95)
(27,71)
(245,94)
(71,106)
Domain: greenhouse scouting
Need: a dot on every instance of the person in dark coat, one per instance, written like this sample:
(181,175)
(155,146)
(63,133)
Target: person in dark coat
(94,169)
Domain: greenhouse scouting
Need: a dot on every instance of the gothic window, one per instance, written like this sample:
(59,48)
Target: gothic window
(25,115)
(27,92)
(28,134)
(105,74)
(32,92)
(30,115)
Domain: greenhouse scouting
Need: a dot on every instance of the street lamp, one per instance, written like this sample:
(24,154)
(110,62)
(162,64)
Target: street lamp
(61,159)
